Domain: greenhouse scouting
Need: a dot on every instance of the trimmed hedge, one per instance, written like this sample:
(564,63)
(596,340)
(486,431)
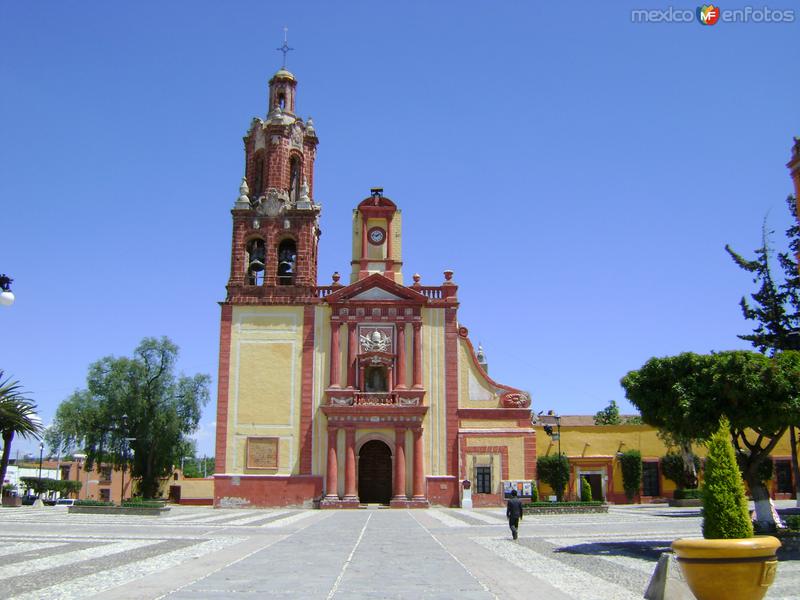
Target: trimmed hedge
(92,503)
(692,494)
(144,504)
(535,504)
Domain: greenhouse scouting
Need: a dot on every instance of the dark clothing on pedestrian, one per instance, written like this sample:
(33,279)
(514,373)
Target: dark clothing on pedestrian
(514,514)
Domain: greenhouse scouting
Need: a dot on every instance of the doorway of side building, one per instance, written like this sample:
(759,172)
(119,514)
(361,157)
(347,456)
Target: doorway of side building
(375,473)
(595,481)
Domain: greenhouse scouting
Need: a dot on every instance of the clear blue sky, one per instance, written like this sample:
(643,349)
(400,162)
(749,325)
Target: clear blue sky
(580,173)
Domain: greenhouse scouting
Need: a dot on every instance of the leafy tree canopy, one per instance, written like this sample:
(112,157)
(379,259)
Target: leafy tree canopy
(609,415)
(161,410)
(686,395)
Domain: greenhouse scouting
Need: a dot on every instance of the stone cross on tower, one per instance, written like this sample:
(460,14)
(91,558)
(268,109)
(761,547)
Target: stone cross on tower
(285,48)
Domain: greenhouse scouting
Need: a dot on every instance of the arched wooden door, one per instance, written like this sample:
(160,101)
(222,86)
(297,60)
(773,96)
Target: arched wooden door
(375,473)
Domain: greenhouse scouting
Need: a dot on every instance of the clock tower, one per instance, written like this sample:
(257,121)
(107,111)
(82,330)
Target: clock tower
(377,228)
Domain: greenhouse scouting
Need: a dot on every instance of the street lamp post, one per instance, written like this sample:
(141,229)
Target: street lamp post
(6,295)
(126,446)
(41,455)
(80,458)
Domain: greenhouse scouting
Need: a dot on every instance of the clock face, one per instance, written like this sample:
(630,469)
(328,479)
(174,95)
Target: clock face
(376,236)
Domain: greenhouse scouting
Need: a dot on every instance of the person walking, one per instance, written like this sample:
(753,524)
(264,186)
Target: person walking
(514,513)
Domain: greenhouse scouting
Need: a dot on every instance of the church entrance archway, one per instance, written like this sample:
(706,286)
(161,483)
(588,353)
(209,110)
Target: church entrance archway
(375,473)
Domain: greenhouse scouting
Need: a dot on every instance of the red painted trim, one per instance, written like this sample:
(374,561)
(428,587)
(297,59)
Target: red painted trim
(222,386)
(196,501)
(451,387)
(307,392)
(496,413)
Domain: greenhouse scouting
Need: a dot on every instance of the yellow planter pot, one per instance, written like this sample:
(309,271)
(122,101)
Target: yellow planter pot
(739,569)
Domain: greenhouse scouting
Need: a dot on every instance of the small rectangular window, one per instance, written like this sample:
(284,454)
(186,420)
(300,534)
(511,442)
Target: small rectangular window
(783,476)
(483,480)
(650,479)
(105,495)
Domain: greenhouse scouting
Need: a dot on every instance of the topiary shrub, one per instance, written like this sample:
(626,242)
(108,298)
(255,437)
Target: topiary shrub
(672,468)
(725,514)
(631,464)
(586,490)
(534,492)
(554,471)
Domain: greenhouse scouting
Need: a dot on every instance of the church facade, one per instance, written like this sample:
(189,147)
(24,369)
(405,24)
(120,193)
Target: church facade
(360,391)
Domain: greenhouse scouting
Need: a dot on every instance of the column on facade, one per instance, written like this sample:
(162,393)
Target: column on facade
(363,237)
(351,355)
(400,464)
(419,466)
(388,240)
(401,356)
(417,343)
(331,491)
(350,465)
(336,369)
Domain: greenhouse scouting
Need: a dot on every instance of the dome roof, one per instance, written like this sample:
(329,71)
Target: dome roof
(283,74)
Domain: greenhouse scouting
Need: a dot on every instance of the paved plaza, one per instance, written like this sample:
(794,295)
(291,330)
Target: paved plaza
(371,553)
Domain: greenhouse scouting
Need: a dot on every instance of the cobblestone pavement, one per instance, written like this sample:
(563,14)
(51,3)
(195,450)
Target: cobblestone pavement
(198,552)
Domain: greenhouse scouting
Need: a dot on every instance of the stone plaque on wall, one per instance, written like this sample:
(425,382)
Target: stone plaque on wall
(262,453)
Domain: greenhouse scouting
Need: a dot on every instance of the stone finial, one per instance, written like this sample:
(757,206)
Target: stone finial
(310,127)
(448,276)
(336,277)
(243,201)
(416,277)
(796,147)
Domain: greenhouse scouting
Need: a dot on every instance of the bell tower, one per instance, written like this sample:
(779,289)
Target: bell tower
(275,218)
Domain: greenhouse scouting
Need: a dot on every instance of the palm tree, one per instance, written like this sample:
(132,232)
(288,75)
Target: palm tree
(17,415)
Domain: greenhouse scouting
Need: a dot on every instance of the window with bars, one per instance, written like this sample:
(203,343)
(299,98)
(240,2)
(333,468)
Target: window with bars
(650,479)
(483,480)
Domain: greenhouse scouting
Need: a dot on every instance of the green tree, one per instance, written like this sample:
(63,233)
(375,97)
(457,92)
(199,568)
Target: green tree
(669,393)
(758,395)
(631,465)
(554,471)
(775,306)
(673,469)
(161,411)
(17,417)
(198,467)
(586,490)
(725,514)
(609,415)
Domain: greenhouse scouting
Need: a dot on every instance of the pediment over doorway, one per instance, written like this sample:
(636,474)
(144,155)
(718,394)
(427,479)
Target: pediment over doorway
(376,288)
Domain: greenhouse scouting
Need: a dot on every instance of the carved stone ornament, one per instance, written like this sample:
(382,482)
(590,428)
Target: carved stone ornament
(296,140)
(376,341)
(515,400)
(342,400)
(408,401)
(273,204)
